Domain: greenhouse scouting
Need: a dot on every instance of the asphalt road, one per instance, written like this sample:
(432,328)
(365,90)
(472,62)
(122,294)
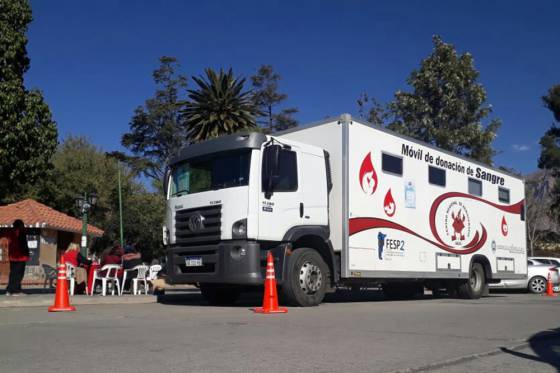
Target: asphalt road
(502,333)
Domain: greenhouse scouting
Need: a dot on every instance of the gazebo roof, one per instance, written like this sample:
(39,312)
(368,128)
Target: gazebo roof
(37,215)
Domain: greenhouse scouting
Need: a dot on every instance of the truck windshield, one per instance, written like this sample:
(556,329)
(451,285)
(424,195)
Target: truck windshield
(222,170)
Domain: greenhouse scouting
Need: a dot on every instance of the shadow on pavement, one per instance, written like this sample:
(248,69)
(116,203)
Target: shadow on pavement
(32,291)
(254,298)
(545,345)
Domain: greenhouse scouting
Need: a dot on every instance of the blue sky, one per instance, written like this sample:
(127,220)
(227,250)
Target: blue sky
(93,60)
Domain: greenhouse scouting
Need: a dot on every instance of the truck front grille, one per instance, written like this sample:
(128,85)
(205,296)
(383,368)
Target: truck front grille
(209,234)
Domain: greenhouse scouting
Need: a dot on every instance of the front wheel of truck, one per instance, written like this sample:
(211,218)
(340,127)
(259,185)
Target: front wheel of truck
(220,294)
(306,278)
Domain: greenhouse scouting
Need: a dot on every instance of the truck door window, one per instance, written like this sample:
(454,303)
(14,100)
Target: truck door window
(436,176)
(287,179)
(391,164)
(503,195)
(475,187)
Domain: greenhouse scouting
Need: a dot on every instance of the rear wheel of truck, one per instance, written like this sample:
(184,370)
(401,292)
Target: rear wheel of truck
(474,287)
(306,278)
(220,294)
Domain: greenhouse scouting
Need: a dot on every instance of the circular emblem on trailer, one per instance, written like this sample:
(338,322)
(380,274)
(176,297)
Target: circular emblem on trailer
(196,222)
(457,223)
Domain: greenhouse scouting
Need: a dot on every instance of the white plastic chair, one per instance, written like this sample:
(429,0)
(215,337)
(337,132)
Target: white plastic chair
(154,270)
(111,271)
(153,274)
(71,277)
(141,277)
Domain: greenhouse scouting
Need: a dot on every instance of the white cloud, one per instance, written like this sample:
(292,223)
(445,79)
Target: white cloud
(521,147)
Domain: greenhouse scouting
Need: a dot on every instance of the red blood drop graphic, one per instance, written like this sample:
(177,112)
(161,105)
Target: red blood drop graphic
(389,204)
(505,228)
(368,176)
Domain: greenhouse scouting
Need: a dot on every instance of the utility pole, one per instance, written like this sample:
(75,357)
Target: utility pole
(120,205)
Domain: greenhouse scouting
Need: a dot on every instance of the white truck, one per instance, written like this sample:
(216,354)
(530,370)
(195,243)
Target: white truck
(340,203)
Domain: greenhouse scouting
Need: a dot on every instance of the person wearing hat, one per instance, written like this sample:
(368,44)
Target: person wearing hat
(18,254)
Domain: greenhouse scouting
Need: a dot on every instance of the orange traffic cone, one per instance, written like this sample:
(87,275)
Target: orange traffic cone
(61,298)
(270,299)
(549,290)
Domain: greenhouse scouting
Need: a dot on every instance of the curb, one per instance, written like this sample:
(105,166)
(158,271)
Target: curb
(43,301)
(463,359)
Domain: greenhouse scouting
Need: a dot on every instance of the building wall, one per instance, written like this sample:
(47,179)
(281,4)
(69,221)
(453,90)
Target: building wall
(51,245)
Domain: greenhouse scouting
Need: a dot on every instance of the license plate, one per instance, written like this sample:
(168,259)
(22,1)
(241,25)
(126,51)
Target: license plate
(193,261)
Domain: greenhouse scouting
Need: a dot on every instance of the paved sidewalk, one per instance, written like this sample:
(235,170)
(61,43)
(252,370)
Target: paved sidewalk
(44,297)
(46,300)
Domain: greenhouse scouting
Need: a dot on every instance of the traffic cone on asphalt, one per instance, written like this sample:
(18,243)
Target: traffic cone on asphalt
(549,290)
(61,298)
(270,299)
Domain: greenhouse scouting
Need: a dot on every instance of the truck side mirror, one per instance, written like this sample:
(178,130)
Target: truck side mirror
(166,179)
(271,157)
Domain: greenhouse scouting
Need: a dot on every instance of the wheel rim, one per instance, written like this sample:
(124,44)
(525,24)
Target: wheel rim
(475,280)
(310,278)
(538,285)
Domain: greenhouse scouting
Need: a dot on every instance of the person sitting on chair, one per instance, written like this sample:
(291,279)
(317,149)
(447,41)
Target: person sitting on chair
(131,259)
(73,256)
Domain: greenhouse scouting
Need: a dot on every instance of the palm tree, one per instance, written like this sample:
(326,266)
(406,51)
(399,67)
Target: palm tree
(218,107)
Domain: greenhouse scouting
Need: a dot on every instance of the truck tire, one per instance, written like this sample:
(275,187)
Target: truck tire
(220,294)
(474,287)
(537,285)
(306,278)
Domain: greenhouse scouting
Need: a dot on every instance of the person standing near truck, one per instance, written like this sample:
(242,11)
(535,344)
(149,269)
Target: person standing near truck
(18,255)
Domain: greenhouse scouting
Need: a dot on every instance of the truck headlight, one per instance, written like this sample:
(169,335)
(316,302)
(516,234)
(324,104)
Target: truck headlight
(165,237)
(239,229)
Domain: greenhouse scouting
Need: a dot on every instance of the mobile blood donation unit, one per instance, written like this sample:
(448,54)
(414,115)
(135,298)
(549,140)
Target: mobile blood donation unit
(339,203)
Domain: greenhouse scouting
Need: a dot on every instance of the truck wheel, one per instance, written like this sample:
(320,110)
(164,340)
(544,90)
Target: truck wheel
(306,278)
(475,285)
(537,285)
(220,294)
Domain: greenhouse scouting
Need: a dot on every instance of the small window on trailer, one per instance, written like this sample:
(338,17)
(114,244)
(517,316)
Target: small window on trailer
(475,187)
(436,176)
(503,195)
(391,164)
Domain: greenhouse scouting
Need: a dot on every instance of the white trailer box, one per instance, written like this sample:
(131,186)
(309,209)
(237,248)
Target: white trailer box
(400,208)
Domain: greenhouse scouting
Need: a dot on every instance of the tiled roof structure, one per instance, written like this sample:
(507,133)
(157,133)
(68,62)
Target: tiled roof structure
(37,215)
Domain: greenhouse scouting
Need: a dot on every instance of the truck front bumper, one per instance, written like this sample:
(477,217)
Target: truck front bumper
(228,262)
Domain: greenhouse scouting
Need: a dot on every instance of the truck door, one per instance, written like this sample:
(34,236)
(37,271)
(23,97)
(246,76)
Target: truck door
(280,208)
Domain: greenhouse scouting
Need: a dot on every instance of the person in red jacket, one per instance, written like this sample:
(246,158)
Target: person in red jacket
(113,256)
(18,253)
(81,265)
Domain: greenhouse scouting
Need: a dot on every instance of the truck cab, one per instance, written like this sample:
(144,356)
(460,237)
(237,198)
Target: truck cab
(232,199)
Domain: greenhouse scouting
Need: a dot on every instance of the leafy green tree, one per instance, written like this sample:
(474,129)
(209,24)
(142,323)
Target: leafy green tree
(549,159)
(156,128)
(266,98)
(219,106)
(28,135)
(371,110)
(447,105)
(79,167)
(552,101)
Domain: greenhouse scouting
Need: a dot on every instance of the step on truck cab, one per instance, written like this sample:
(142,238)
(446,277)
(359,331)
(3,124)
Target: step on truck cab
(339,202)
